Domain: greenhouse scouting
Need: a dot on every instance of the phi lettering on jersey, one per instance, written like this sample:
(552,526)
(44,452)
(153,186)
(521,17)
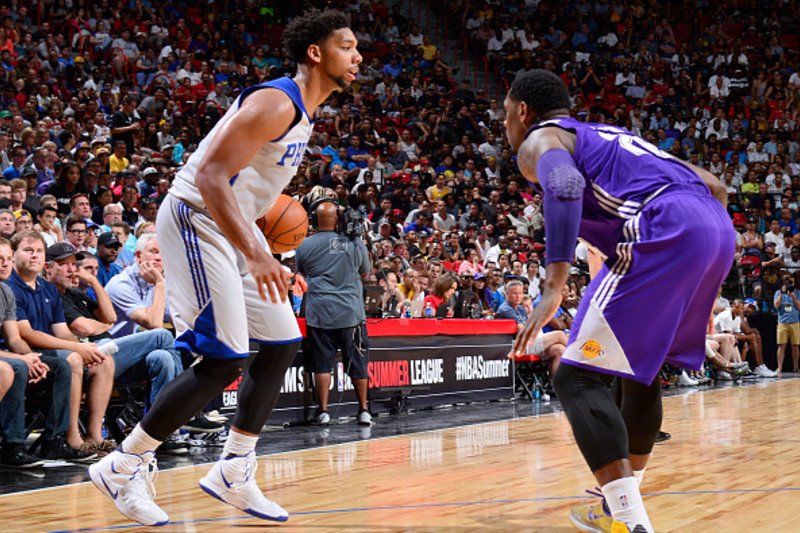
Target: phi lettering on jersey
(294,152)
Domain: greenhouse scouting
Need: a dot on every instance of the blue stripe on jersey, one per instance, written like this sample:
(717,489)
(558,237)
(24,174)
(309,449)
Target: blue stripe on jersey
(284,84)
(202,338)
(275,343)
(233,179)
(205,291)
(187,245)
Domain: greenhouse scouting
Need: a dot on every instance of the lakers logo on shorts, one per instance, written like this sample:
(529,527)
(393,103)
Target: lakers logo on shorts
(592,349)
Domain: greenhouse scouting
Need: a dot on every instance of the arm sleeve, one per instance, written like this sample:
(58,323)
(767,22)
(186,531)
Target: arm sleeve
(563,186)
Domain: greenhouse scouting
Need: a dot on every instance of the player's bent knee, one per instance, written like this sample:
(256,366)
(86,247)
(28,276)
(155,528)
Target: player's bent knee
(222,369)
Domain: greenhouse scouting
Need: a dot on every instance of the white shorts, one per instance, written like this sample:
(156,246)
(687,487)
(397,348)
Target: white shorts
(212,297)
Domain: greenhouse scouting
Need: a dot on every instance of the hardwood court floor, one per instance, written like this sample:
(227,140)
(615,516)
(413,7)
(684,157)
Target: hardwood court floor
(731,466)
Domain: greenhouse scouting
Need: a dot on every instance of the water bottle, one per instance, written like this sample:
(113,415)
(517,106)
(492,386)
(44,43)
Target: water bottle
(537,393)
(407,309)
(109,348)
(428,310)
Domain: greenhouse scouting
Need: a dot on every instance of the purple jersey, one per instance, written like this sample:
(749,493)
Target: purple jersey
(623,172)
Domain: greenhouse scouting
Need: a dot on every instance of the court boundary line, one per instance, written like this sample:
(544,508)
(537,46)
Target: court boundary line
(687,392)
(432,505)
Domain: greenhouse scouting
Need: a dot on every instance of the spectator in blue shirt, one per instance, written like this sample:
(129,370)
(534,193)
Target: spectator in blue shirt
(512,307)
(393,67)
(356,154)
(40,316)
(138,292)
(108,247)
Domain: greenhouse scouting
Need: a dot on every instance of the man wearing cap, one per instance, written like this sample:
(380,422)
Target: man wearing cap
(147,186)
(40,317)
(82,154)
(146,355)
(108,246)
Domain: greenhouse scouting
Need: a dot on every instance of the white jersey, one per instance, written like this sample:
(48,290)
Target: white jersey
(258,184)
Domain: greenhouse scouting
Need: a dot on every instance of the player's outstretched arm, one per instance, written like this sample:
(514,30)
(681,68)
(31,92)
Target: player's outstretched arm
(545,157)
(263,117)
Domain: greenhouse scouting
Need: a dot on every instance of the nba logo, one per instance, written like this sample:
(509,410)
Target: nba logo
(340,375)
(623,500)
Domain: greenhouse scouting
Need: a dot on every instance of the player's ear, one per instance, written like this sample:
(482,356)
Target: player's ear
(314,53)
(525,112)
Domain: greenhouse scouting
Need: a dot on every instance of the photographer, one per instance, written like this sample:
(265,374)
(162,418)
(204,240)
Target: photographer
(334,265)
(788,306)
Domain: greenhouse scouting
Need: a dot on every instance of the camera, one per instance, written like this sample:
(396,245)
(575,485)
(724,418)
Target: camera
(354,226)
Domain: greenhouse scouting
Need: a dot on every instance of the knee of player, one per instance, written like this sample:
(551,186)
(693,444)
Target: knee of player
(563,381)
(226,370)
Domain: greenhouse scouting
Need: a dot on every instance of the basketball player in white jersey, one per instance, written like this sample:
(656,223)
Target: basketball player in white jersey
(224,287)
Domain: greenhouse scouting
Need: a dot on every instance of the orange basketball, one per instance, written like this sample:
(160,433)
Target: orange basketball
(285,225)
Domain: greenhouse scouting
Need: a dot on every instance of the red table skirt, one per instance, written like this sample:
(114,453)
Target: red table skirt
(421,327)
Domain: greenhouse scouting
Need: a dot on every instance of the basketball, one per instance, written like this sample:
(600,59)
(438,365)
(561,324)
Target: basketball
(285,225)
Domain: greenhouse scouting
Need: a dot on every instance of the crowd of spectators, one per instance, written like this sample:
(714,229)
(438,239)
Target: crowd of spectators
(101,103)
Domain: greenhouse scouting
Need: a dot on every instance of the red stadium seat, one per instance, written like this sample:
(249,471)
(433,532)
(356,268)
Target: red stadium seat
(447,265)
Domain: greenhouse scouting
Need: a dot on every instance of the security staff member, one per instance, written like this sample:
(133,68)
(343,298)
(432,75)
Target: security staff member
(334,266)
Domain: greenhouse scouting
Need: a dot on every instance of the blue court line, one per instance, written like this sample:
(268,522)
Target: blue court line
(432,505)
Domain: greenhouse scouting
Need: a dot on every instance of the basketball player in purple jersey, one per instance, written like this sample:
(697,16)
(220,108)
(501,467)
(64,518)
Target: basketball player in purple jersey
(669,244)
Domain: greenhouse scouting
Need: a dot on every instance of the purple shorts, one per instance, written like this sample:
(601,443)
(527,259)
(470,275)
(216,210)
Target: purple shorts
(651,303)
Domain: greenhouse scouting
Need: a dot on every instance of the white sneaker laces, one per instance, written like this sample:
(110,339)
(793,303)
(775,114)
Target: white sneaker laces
(142,483)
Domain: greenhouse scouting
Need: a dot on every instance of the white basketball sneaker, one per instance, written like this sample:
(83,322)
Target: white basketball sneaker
(128,479)
(233,482)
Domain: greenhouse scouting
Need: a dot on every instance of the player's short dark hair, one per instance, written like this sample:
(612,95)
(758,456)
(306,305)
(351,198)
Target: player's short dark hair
(541,90)
(311,28)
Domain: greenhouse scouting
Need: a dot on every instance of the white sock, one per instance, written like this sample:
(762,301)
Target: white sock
(239,444)
(139,442)
(625,502)
(639,475)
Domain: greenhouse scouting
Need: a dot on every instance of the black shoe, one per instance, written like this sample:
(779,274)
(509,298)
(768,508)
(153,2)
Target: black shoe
(201,424)
(13,455)
(663,436)
(172,446)
(58,449)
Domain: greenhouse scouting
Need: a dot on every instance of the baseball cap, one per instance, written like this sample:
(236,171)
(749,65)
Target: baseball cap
(768,244)
(384,222)
(82,145)
(5,113)
(148,171)
(59,250)
(398,212)
(424,162)
(509,275)
(107,239)
(29,171)
(479,275)
(78,59)
(750,301)
(102,150)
